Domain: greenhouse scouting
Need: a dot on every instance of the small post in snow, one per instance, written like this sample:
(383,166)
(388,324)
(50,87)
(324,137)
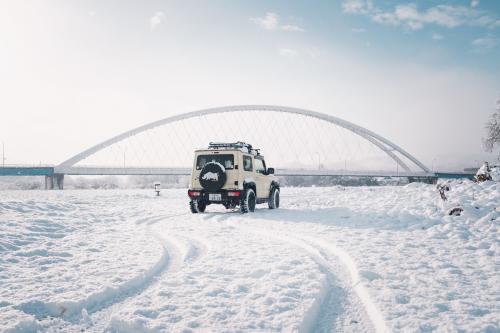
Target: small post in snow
(157,189)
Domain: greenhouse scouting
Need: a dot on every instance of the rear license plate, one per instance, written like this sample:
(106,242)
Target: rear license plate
(214,196)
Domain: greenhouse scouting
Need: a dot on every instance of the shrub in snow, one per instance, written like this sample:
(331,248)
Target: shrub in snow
(451,208)
(456,211)
(442,188)
(484,173)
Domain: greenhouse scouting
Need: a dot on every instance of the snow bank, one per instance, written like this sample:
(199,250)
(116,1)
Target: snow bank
(14,321)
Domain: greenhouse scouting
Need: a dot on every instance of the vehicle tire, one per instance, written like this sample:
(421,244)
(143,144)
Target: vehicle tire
(248,202)
(197,206)
(274,198)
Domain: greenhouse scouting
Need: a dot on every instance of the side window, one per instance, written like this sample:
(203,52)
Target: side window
(259,166)
(247,163)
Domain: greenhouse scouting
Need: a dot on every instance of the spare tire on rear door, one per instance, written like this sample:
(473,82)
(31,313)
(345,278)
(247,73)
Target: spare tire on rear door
(213,176)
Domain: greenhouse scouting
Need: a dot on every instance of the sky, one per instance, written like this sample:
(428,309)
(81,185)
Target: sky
(423,74)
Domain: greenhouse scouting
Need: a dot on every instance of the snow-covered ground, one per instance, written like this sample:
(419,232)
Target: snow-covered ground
(330,259)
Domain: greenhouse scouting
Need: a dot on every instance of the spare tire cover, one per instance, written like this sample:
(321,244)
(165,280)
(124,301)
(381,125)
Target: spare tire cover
(212,176)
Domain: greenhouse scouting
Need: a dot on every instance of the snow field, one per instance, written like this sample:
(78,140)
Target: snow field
(231,287)
(65,252)
(426,271)
(330,259)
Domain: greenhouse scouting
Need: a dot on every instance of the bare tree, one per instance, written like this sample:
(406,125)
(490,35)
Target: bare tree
(493,130)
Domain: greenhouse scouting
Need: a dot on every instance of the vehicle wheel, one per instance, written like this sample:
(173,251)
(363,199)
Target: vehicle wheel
(274,198)
(197,206)
(248,201)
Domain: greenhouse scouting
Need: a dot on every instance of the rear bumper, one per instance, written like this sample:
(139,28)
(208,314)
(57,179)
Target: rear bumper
(226,196)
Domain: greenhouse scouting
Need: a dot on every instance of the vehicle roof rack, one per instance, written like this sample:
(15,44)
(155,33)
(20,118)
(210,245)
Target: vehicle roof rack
(234,145)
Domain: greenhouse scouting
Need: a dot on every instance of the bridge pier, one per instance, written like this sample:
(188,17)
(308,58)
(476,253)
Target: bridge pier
(55,181)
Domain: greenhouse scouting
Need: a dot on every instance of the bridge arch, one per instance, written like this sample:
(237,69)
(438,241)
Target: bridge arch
(386,146)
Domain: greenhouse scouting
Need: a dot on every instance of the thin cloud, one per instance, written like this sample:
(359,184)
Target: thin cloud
(358,30)
(288,53)
(289,27)
(268,22)
(357,6)
(409,15)
(436,36)
(156,19)
(474,3)
(486,42)
(313,52)
(271,21)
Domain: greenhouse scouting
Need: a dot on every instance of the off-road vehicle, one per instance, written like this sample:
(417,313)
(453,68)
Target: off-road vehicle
(232,174)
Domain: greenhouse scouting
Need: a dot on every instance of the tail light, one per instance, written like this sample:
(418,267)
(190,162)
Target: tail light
(233,193)
(193,194)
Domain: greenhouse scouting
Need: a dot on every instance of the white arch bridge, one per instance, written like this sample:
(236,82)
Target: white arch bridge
(295,141)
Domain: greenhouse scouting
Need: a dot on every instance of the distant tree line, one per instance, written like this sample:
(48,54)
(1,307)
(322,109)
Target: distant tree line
(147,182)
(321,181)
(92,182)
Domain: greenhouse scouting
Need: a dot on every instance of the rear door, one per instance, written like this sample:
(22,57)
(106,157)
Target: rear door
(248,167)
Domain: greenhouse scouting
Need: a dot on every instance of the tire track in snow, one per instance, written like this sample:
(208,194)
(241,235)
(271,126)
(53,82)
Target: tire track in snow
(192,249)
(197,249)
(187,252)
(360,313)
(370,308)
(153,219)
(72,311)
(110,298)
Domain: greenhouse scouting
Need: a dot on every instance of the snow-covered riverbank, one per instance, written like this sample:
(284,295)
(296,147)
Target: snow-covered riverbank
(330,259)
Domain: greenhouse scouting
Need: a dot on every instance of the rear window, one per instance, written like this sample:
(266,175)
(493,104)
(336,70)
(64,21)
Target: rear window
(227,160)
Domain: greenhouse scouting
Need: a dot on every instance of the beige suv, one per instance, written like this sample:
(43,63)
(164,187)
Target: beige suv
(232,174)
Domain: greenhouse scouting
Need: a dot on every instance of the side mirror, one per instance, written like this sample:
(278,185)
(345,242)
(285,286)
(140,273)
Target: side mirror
(270,171)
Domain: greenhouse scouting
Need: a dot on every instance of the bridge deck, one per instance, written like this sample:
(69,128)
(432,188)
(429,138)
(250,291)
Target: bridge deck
(156,171)
(26,171)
